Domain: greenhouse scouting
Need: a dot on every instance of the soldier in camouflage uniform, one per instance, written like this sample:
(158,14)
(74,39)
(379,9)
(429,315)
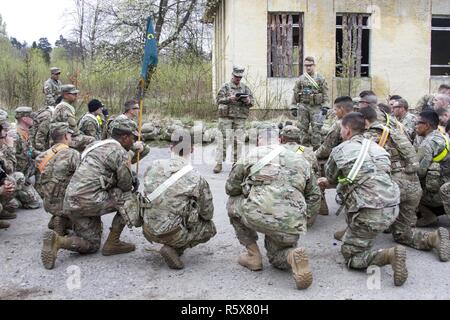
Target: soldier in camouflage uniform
(65,112)
(52,87)
(181,216)
(369,196)
(434,168)
(89,123)
(234,101)
(40,132)
(131,112)
(404,166)
(428,101)
(56,167)
(405,118)
(310,97)
(102,184)
(289,137)
(273,190)
(26,195)
(7,186)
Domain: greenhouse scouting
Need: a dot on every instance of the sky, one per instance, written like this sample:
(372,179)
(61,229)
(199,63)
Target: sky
(29,20)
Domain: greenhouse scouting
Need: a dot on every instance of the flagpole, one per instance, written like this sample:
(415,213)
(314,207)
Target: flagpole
(141,108)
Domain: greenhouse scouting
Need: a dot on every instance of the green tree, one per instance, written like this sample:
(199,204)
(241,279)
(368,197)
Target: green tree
(46,49)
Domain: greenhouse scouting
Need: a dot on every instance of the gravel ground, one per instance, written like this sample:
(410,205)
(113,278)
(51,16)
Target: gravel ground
(211,270)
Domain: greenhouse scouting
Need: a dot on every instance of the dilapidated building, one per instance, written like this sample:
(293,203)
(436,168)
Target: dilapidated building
(389,46)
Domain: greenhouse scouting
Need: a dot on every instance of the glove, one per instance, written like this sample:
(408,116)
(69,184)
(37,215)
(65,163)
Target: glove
(105,112)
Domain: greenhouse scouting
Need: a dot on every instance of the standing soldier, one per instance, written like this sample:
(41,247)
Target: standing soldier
(404,166)
(181,210)
(65,112)
(273,191)
(25,155)
(56,167)
(234,101)
(434,168)
(89,123)
(52,87)
(310,97)
(102,183)
(369,196)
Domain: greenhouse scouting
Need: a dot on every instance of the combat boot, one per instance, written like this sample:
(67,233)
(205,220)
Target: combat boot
(396,257)
(7,215)
(338,235)
(4,225)
(439,240)
(251,259)
(298,259)
(323,211)
(218,168)
(311,220)
(51,244)
(60,225)
(171,257)
(427,217)
(114,246)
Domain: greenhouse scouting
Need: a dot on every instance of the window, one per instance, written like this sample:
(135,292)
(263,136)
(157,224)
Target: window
(352,45)
(440,46)
(285,45)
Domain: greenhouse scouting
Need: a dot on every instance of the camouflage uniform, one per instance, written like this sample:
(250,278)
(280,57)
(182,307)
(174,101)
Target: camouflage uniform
(311,110)
(408,125)
(276,201)
(64,112)
(52,90)
(40,133)
(7,164)
(56,167)
(404,165)
(434,176)
(426,102)
(133,152)
(371,202)
(100,185)
(232,118)
(90,126)
(182,216)
(332,140)
(25,167)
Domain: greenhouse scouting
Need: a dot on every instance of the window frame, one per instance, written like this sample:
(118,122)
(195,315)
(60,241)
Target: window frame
(447,29)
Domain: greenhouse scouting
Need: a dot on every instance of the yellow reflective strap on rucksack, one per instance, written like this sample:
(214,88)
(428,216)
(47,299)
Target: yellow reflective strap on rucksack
(384,136)
(441,156)
(100,121)
(400,125)
(388,119)
(49,156)
(301,150)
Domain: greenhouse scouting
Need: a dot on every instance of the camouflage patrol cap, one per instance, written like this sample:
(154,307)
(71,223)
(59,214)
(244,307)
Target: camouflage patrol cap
(238,71)
(55,70)
(4,119)
(60,128)
(23,112)
(126,125)
(69,88)
(290,132)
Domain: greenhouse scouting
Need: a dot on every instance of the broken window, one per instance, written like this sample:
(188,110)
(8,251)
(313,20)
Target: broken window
(352,45)
(285,45)
(440,42)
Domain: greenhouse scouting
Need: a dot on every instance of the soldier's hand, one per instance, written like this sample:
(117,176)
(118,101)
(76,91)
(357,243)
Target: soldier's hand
(7,189)
(139,146)
(323,183)
(233,98)
(247,100)
(9,141)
